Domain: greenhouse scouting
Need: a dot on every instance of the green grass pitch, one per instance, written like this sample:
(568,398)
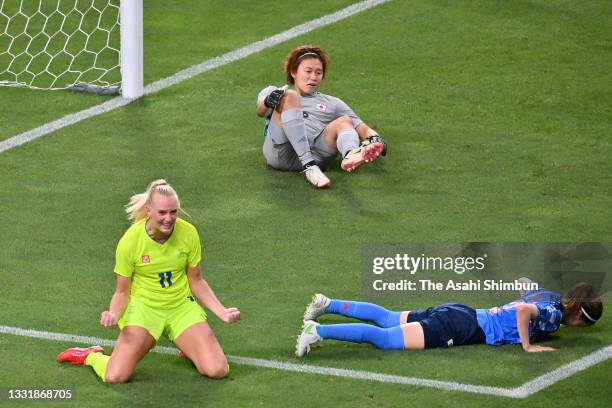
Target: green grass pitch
(498,116)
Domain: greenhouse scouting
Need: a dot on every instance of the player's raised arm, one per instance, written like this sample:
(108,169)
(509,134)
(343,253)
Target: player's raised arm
(205,295)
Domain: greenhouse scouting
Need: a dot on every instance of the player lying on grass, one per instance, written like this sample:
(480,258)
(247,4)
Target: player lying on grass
(531,318)
(158,274)
(305,129)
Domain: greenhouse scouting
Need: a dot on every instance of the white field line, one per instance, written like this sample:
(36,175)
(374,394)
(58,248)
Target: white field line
(543,381)
(523,391)
(190,72)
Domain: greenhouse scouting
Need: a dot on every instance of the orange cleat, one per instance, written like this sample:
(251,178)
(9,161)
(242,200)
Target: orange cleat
(77,355)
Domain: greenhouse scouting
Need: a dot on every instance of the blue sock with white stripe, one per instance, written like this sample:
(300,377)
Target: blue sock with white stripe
(364,311)
(386,339)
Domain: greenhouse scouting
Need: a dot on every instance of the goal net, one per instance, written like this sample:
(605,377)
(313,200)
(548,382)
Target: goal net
(59,44)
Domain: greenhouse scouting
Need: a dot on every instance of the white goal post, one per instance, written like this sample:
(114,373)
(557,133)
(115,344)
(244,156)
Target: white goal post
(85,45)
(132,64)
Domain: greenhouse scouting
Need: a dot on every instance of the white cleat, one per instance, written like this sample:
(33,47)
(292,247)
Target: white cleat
(315,176)
(308,336)
(316,307)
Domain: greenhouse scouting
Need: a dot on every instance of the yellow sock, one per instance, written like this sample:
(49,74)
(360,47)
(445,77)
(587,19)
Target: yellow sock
(98,362)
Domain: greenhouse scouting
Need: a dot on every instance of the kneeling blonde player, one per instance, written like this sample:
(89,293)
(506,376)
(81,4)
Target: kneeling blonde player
(158,279)
(305,129)
(533,317)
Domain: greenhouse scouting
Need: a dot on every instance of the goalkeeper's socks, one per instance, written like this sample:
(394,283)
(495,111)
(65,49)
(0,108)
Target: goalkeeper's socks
(347,140)
(365,311)
(292,123)
(387,339)
(98,362)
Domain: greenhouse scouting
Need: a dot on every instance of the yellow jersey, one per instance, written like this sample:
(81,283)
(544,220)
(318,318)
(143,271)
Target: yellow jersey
(158,271)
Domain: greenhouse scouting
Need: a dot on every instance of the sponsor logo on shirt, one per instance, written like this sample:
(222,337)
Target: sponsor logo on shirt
(321,107)
(146,259)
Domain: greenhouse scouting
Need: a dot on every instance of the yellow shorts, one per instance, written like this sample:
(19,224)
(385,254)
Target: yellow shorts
(171,322)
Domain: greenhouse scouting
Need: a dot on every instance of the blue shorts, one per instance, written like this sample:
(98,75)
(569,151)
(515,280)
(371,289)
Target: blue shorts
(448,325)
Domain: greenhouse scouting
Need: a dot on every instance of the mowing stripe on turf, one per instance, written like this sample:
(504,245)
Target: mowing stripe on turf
(525,390)
(190,72)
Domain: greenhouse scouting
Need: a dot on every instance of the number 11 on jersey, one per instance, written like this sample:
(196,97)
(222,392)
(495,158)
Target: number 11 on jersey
(165,279)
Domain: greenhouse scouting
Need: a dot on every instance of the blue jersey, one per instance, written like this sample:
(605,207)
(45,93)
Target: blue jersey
(500,326)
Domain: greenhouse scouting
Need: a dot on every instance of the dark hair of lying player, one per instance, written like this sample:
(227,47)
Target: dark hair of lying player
(581,306)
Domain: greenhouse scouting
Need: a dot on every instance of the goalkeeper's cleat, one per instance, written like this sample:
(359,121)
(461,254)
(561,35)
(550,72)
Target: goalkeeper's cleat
(316,307)
(367,152)
(315,176)
(77,355)
(308,336)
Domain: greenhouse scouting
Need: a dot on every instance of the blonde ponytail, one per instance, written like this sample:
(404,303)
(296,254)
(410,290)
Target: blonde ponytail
(135,209)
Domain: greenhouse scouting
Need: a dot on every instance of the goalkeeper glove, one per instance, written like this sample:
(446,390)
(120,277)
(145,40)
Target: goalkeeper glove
(274,98)
(377,138)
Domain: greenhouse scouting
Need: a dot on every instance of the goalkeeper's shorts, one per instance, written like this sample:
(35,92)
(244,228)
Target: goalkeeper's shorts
(448,325)
(279,153)
(169,322)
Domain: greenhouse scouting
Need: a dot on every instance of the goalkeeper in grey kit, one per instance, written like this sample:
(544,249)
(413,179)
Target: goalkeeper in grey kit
(305,129)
